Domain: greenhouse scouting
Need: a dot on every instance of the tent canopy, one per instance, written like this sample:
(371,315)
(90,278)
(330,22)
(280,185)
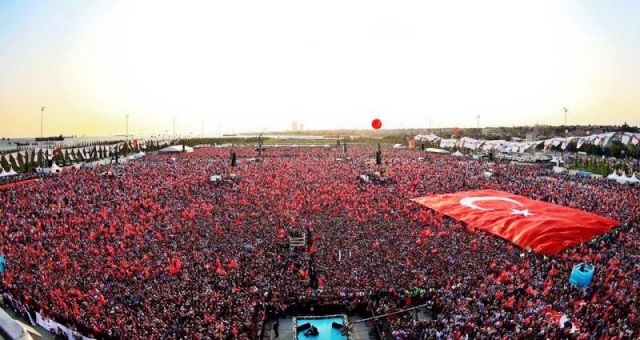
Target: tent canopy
(436,150)
(623,178)
(176,148)
(613,175)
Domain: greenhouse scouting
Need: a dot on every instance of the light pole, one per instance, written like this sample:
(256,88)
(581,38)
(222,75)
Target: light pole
(565,115)
(41,119)
(478,130)
(127,134)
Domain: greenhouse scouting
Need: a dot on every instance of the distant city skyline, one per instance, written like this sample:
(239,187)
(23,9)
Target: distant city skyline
(229,67)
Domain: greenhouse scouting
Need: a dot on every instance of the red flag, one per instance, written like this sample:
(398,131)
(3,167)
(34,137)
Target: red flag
(101,299)
(174,266)
(426,232)
(544,227)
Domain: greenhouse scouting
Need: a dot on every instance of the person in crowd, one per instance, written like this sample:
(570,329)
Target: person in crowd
(276,327)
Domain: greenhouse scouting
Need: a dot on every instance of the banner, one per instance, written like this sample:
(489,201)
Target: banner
(543,227)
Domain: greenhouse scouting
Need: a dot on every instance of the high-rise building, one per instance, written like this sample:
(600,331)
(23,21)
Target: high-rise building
(301,127)
(531,136)
(294,126)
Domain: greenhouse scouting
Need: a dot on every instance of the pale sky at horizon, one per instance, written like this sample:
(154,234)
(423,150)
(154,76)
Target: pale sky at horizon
(240,66)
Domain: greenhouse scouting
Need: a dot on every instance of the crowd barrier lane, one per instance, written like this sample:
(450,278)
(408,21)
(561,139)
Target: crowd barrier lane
(41,321)
(11,329)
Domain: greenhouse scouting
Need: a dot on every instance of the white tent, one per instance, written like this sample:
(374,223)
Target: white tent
(176,148)
(55,168)
(3,173)
(457,154)
(614,175)
(630,179)
(435,150)
(11,172)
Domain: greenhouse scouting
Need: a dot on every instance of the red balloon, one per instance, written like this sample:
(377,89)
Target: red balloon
(376,123)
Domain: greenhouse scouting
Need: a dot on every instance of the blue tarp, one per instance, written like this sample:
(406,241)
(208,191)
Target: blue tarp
(2,264)
(581,275)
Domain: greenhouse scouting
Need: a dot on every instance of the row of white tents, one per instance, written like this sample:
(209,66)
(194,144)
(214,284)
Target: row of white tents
(4,173)
(57,169)
(601,139)
(623,178)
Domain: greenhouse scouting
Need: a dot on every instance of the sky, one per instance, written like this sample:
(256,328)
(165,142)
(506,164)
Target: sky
(215,67)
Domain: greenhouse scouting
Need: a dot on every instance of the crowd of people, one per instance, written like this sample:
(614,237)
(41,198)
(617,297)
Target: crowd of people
(19,177)
(159,251)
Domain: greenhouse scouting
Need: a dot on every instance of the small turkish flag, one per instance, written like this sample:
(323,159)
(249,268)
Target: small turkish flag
(544,227)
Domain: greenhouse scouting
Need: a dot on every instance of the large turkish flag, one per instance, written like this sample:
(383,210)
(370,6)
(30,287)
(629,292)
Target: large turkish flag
(544,227)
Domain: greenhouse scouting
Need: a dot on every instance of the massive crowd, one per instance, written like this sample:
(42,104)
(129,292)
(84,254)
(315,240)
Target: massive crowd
(158,251)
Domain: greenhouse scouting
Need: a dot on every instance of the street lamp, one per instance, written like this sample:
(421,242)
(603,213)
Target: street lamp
(41,119)
(41,135)
(126,134)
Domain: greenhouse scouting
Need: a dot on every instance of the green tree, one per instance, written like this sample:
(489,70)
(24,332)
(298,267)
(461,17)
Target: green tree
(616,148)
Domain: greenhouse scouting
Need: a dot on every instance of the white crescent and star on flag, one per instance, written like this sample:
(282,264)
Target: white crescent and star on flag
(470,202)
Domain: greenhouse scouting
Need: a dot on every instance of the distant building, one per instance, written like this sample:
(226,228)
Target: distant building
(294,126)
(301,127)
(531,137)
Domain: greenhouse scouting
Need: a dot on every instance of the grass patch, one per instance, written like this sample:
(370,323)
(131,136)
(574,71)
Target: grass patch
(596,169)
